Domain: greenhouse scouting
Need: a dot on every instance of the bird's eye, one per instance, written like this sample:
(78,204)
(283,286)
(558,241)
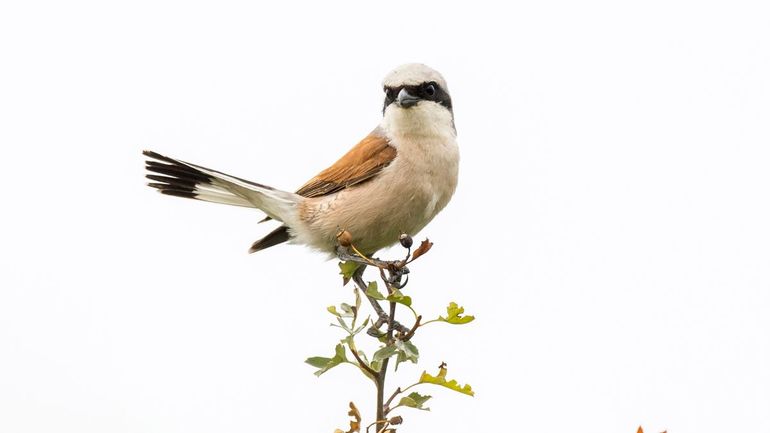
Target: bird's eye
(429,89)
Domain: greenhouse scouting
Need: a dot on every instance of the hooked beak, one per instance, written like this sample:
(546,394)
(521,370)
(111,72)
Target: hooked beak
(406,100)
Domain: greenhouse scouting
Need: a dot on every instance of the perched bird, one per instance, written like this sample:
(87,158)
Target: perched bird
(393,181)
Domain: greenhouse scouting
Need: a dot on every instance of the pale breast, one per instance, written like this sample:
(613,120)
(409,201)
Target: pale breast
(403,198)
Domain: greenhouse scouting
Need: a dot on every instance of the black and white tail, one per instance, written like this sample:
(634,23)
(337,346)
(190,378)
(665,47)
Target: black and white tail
(182,179)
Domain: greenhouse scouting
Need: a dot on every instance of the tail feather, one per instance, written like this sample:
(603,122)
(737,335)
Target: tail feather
(175,172)
(275,237)
(182,179)
(204,195)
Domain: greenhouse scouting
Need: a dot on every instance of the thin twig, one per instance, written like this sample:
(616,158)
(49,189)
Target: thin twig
(390,399)
(411,332)
(376,422)
(361,362)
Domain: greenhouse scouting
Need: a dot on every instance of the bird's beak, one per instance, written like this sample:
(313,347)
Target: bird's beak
(406,100)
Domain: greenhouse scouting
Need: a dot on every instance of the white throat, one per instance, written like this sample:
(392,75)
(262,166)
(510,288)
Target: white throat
(425,120)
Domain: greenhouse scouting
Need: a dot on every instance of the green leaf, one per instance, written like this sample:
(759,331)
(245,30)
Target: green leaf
(347,269)
(361,327)
(339,353)
(371,291)
(415,400)
(358,299)
(347,310)
(407,351)
(384,353)
(325,364)
(344,325)
(332,309)
(440,379)
(318,361)
(400,298)
(376,365)
(454,315)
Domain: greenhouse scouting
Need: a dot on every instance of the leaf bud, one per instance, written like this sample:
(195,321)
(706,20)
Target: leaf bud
(344,238)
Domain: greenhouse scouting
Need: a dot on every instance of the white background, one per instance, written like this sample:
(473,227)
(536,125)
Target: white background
(610,231)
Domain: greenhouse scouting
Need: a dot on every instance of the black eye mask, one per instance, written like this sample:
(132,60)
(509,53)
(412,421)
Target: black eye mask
(429,91)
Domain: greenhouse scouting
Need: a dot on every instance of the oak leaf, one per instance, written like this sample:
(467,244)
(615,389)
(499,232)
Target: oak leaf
(440,379)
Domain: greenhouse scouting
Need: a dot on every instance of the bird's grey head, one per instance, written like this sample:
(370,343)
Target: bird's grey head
(415,84)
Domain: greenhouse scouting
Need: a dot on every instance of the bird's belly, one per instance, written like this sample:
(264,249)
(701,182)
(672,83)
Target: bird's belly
(377,212)
(390,216)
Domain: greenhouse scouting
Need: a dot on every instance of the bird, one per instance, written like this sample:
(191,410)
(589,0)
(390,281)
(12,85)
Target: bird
(393,182)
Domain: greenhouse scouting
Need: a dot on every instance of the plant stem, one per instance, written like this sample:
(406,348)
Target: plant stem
(390,400)
(381,391)
(361,364)
(391,281)
(384,369)
(382,317)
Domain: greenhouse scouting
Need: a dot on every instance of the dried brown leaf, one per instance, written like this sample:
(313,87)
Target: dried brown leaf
(424,247)
(355,424)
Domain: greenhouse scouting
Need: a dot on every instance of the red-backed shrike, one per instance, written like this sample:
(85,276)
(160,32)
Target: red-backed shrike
(394,181)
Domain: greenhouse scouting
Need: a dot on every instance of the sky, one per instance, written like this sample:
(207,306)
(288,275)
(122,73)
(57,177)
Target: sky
(609,231)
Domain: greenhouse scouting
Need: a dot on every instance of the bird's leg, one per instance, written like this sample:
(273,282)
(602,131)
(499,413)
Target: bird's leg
(382,316)
(395,274)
